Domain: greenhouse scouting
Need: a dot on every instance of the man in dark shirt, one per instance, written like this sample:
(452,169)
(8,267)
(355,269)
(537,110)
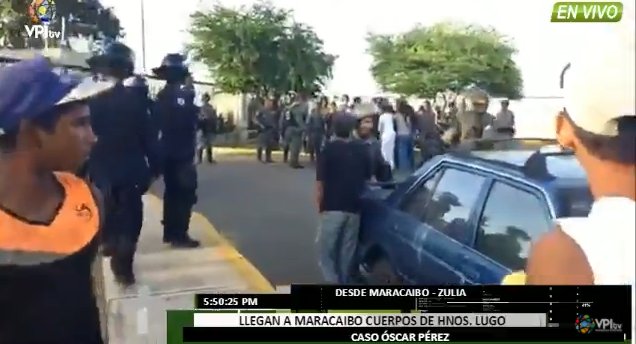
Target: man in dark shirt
(342,171)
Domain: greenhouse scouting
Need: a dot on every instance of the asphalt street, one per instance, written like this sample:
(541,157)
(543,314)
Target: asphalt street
(267,211)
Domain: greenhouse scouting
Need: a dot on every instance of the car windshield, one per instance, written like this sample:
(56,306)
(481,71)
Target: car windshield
(575,201)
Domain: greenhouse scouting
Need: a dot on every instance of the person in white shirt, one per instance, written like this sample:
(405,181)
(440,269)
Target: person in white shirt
(386,127)
(598,123)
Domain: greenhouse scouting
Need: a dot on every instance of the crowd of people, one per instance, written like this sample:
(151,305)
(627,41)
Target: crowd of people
(398,127)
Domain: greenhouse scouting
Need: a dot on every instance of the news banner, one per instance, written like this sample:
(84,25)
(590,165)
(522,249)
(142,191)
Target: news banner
(335,314)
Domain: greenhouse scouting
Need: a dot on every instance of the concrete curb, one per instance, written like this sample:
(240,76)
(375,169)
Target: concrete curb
(243,266)
(244,151)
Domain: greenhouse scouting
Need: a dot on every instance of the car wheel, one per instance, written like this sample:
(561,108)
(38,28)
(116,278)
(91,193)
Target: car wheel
(382,273)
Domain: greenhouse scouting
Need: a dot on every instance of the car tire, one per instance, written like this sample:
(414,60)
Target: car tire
(382,273)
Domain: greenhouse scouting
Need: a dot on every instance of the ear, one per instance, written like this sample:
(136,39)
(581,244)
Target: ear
(564,131)
(31,136)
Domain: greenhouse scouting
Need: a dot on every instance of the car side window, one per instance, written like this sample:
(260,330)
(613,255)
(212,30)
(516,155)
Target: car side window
(452,203)
(506,232)
(416,202)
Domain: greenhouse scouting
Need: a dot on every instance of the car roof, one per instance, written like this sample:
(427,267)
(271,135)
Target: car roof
(546,163)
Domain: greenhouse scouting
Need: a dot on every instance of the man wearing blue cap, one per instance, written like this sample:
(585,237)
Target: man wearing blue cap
(125,159)
(49,219)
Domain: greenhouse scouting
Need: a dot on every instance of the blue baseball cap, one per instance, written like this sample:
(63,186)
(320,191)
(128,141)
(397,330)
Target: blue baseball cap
(31,87)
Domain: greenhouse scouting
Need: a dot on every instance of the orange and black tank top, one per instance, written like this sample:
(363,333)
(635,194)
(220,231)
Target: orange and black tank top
(46,287)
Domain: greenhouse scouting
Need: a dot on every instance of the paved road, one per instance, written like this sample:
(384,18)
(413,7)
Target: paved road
(267,212)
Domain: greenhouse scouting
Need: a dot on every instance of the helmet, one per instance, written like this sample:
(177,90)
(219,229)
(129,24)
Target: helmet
(475,99)
(476,95)
(112,54)
(172,63)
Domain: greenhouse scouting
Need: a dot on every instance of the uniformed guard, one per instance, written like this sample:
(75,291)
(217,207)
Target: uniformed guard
(178,118)
(283,120)
(265,120)
(49,220)
(294,122)
(317,128)
(126,158)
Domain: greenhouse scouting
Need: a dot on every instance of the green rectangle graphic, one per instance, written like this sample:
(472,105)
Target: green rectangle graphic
(587,12)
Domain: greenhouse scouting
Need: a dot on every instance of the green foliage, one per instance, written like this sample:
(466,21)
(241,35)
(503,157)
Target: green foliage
(84,17)
(259,50)
(427,60)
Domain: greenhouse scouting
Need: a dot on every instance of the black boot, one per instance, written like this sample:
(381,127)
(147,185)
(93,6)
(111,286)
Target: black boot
(121,263)
(259,154)
(208,155)
(286,155)
(268,156)
(185,242)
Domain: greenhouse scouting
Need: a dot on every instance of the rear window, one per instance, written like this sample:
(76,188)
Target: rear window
(565,166)
(575,202)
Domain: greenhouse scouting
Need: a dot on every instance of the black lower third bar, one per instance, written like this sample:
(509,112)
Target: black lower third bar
(403,334)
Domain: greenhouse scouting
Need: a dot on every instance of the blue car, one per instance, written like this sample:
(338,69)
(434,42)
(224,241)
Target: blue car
(468,217)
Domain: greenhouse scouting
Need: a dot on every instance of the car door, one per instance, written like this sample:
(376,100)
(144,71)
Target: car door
(438,218)
(407,227)
(514,215)
(450,220)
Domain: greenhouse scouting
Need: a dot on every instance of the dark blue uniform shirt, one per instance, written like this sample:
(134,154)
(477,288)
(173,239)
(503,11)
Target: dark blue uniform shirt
(178,117)
(126,150)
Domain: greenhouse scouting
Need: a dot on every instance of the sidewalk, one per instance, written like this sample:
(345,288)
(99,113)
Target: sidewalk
(168,278)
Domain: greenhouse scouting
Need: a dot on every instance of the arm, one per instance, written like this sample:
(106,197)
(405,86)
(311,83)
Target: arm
(320,178)
(150,141)
(556,259)
(304,116)
(258,120)
(96,268)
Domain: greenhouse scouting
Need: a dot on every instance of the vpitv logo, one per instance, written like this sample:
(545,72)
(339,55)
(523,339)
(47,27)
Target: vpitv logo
(42,14)
(586,324)
(608,325)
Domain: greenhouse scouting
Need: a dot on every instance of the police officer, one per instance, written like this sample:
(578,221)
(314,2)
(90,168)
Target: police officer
(317,128)
(125,159)
(178,117)
(283,121)
(265,121)
(294,123)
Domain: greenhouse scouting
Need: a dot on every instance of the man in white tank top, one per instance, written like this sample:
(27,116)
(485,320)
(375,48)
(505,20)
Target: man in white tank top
(598,124)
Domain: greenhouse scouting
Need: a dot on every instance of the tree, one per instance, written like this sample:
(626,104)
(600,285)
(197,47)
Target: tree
(259,50)
(88,18)
(427,60)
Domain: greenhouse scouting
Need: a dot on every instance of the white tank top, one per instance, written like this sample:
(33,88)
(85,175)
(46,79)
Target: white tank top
(607,236)
(385,124)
